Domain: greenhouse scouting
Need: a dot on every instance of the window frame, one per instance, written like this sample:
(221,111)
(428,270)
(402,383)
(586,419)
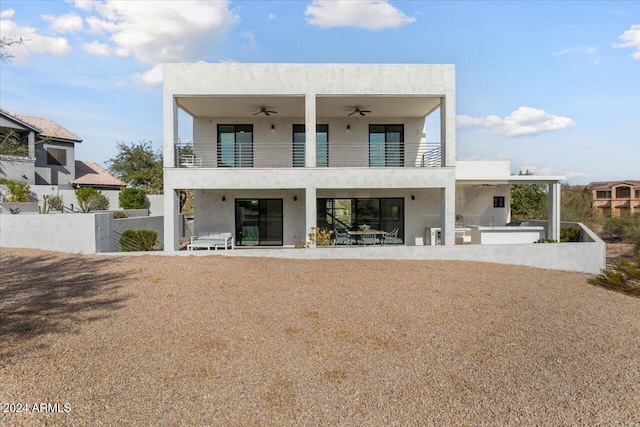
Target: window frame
(388,160)
(295,152)
(239,160)
(53,159)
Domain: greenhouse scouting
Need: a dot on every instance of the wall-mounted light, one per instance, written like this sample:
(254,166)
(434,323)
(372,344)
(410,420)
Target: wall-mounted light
(348,128)
(273,127)
(413,197)
(295,198)
(224,198)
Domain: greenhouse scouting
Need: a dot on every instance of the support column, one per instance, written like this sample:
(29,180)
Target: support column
(171,219)
(170,129)
(31,140)
(553,229)
(310,211)
(447,215)
(310,131)
(448,131)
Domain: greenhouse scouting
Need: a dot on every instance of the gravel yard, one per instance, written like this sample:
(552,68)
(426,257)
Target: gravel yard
(209,340)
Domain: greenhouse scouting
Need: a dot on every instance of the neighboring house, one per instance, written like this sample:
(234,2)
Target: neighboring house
(616,198)
(50,167)
(281,148)
(90,174)
(51,159)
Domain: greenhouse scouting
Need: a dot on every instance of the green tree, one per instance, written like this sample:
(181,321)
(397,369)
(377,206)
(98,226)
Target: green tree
(17,191)
(529,200)
(576,205)
(139,166)
(132,198)
(10,145)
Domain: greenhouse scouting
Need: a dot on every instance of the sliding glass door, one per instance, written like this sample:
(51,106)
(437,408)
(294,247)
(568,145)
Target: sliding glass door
(322,145)
(235,146)
(259,222)
(350,214)
(386,145)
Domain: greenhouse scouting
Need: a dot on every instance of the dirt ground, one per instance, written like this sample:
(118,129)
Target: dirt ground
(210,340)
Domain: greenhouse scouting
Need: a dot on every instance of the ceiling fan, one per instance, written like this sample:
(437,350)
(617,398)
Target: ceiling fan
(358,110)
(266,112)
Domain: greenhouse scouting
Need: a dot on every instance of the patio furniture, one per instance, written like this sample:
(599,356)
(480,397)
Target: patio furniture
(211,240)
(368,238)
(391,238)
(343,238)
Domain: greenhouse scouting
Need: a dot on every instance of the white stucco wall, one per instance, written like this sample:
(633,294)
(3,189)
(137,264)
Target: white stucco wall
(67,233)
(475,204)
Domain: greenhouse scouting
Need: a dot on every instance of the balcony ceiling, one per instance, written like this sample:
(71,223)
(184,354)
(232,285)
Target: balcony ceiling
(326,106)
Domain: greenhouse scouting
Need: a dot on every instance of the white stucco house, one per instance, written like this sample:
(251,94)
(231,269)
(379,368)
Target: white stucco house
(281,148)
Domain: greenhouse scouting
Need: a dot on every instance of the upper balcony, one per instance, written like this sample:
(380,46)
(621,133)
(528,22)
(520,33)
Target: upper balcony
(347,154)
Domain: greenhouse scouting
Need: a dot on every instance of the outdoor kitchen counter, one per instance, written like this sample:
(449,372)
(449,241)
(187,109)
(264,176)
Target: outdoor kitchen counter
(496,235)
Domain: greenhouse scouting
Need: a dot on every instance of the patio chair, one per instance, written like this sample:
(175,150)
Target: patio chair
(343,238)
(368,239)
(391,238)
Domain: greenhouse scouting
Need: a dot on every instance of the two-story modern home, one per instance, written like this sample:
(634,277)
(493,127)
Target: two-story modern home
(616,198)
(279,149)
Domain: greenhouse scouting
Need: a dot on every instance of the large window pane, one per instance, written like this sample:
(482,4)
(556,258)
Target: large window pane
(368,213)
(349,214)
(322,145)
(259,222)
(235,145)
(386,145)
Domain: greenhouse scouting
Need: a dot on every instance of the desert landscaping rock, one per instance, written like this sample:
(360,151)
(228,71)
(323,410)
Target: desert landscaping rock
(211,340)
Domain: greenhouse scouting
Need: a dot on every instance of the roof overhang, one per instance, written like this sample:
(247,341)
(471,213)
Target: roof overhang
(294,106)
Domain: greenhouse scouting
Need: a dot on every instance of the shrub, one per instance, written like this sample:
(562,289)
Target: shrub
(17,191)
(120,215)
(132,198)
(56,202)
(84,193)
(624,277)
(570,234)
(98,202)
(145,238)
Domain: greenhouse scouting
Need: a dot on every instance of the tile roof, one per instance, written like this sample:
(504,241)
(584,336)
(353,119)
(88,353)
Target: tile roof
(610,184)
(47,127)
(90,174)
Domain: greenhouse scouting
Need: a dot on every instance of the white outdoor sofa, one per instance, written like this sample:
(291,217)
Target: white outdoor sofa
(211,240)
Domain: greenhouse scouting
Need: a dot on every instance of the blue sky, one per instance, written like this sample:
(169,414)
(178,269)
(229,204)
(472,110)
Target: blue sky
(552,86)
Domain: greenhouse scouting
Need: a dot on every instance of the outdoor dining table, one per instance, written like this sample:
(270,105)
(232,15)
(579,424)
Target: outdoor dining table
(358,233)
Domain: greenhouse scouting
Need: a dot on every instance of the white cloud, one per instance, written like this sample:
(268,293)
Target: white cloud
(152,76)
(369,14)
(97,48)
(576,50)
(31,41)
(68,23)
(251,41)
(82,4)
(165,31)
(271,17)
(630,38)
(7,13)
(523,121)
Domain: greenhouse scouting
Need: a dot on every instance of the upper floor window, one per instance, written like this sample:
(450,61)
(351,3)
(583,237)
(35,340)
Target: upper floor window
(623,192)
(603,194)
(386,145)
(235,146)
(322,145)
(56,156)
